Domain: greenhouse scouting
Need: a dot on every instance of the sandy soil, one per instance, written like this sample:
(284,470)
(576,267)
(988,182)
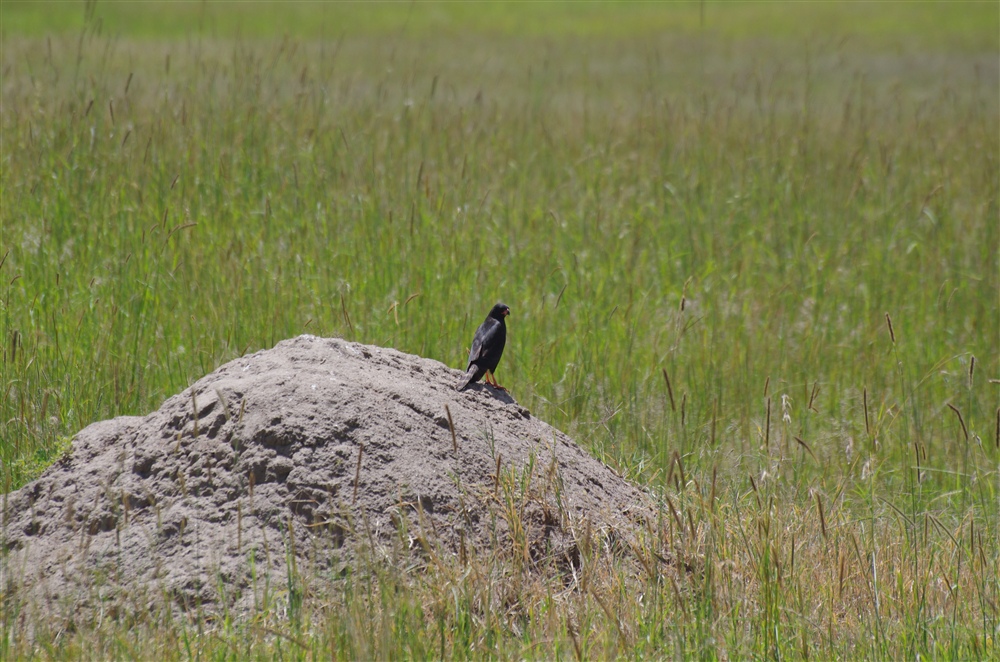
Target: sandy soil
(257,464)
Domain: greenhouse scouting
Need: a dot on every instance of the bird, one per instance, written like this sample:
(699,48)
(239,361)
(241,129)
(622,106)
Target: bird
(487,348)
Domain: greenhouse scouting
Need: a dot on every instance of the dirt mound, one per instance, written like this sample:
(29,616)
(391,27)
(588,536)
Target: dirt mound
(305,454)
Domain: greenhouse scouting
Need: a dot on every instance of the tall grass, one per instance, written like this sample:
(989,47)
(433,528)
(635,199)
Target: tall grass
(800,236)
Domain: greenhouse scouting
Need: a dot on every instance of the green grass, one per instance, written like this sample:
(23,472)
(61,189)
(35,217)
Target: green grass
(958,25)
(736,199)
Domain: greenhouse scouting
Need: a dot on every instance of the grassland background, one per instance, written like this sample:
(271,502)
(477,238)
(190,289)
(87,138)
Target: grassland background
(733,193)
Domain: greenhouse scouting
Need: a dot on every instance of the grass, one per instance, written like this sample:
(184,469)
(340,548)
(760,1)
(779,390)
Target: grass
(787,212)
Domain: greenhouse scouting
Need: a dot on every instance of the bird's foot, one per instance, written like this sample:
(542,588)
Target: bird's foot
(492,381)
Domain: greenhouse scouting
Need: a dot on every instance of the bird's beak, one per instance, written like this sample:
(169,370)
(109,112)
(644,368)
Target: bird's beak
(506,313)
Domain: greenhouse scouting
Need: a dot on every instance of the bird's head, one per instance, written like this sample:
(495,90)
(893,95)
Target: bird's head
(500,311)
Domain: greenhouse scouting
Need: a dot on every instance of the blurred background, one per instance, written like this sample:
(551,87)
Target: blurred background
(731,196)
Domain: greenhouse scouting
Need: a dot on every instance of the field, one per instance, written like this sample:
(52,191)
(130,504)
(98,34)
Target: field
(752,253)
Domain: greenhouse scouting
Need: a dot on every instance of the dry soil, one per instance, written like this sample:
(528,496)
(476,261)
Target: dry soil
(317,451)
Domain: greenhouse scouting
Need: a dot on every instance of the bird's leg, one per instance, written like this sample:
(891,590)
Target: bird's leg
(492,381)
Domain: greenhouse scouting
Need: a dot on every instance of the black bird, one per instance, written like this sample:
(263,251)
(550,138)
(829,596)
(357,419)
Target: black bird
(487,348)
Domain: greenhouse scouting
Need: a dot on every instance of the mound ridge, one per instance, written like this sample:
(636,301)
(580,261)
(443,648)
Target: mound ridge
(257,464)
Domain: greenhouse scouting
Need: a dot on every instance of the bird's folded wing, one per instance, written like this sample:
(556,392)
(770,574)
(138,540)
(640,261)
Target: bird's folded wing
(483,341)
(477,347)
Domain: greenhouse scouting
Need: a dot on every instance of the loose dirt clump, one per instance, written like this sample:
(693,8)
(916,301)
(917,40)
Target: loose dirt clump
(296,461)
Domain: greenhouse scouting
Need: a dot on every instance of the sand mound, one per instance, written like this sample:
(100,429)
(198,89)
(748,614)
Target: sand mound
(257,465)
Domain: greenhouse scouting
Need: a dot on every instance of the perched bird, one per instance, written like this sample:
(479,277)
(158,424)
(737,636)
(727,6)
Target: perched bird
(487,348)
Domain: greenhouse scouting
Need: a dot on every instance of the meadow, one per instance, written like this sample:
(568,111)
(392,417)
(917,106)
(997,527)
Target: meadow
(752,253)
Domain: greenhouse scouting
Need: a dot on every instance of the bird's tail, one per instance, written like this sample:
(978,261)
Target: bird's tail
(467,378)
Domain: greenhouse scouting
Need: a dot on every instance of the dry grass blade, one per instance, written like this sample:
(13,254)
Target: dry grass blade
(613,617)
(767,425)
(805,446)
(670,390)
(888,323)
(864,400)
(343,310)
(577,652)
(496,477)
(899,512)
(677,517)
(357,473)
(961,420)
(451,426)
(943,529)
(812,397)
